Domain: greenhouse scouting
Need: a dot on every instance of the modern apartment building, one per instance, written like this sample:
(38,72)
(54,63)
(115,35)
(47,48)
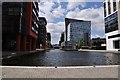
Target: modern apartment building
(42,33)
(77,30)
(19,25)
(112,24)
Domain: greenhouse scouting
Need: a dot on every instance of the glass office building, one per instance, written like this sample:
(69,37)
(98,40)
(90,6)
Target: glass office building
(77,30)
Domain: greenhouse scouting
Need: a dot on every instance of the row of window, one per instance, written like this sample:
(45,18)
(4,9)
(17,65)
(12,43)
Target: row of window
(111,17)
(35,9)
(111,23)
(113,36)
(34,27)
(35,14)
(14,11)
(109,7)
(80,25)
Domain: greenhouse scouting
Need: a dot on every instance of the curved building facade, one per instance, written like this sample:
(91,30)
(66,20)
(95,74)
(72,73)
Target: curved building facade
(77,30)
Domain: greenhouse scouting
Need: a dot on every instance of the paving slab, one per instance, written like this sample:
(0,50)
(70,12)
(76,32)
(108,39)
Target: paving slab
(102,51)
(110,71)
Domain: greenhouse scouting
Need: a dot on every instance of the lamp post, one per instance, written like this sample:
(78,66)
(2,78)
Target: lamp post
(19,32)
(21,11)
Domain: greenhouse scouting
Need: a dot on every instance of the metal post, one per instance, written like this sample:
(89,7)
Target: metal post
(21,11)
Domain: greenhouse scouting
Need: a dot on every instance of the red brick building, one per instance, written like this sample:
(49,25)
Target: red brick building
(21,31)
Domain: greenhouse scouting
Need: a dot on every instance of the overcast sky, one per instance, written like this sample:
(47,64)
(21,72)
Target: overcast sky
(56,12)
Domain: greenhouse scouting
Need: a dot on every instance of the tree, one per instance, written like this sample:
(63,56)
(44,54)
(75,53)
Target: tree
(80,43)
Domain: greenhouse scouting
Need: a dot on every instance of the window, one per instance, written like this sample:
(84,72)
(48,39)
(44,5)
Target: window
(109,8)
(116,44)
(41,22)
(33,28)
(114,5)
(104,9)
(14,11)
(11,9)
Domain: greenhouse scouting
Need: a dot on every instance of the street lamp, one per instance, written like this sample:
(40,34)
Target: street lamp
(21,13)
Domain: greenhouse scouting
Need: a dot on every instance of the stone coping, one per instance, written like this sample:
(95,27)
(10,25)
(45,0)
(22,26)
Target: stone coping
(98,66)
(102,51)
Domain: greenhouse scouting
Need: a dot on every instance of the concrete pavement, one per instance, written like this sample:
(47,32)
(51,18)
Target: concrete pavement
(9,54)
(110,71)
(102,51)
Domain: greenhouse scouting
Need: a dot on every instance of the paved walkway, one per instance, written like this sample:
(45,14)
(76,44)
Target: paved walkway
(60,72)
(102,51)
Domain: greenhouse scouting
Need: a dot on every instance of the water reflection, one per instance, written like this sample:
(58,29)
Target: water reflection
(63,58)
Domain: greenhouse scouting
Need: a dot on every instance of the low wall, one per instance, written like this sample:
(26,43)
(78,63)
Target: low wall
(94,47)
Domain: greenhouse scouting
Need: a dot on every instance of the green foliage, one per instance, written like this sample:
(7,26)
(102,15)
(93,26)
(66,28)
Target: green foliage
(48,46)
(80,43)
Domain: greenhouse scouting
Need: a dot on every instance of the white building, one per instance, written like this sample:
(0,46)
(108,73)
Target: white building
(112,24)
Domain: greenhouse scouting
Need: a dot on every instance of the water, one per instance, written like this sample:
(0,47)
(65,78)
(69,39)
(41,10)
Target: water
(63,58)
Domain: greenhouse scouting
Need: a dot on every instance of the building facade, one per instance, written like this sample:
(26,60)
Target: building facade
(19,25)
(61,38)
(112,24)
(77,30)
(42,33)
(48,42)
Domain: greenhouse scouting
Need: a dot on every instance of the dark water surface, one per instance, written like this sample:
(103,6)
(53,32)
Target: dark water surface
(63,58)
